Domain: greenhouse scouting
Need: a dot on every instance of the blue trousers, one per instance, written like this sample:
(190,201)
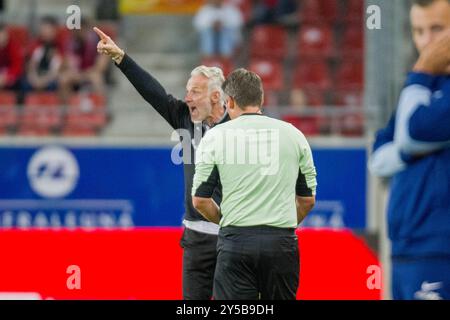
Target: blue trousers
(421,278)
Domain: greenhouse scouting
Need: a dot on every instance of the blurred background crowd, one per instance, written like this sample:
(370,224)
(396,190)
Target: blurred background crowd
(309,54)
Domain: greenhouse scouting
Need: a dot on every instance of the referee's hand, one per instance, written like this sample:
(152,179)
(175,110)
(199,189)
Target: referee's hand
(435,58)
(108,47)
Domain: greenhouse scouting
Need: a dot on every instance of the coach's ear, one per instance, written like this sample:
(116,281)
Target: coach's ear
(215,97)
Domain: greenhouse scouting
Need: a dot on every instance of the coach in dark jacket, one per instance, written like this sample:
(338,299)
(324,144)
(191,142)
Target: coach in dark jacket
(202,109)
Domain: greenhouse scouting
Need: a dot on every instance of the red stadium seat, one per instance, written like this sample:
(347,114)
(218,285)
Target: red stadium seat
(48,99)
(93,120)
(310,11)
(79,131)
(353,42)
(25,130)
(315,98)
(8,112)
(330,10)
(313,75)
(8,116)
(7,98)
(353,98)
(87,102)
(41,114)
(315,11)
(309,125)
(86,111)
(40,117)
(268,41)
(352,125)
(315,41)
(307,98)
(350,75)
(271,73)
(223,63)
(354,11)
(270,99)
(351,120)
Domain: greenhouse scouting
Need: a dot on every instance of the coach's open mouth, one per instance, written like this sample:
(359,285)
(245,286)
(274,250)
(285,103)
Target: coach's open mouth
(194,111)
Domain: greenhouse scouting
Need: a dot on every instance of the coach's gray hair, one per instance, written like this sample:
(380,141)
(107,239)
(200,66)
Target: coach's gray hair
(215,79)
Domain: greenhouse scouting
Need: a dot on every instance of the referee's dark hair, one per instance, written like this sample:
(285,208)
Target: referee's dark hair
(245,87)
(425,3)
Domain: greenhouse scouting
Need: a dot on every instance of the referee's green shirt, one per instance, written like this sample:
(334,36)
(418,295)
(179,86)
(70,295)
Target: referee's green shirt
(261,164)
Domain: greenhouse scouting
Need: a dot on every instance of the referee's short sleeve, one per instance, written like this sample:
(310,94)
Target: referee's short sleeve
(206,176)
(306,180)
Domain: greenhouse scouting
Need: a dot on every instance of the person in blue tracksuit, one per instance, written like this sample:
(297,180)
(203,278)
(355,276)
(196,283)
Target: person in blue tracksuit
(414,150)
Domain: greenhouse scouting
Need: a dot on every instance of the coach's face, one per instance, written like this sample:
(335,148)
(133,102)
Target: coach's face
(429,22)
(198,98)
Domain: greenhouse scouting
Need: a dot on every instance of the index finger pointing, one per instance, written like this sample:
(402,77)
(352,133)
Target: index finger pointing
(101,34)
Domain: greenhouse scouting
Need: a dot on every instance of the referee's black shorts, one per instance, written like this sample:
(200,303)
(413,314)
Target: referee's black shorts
(256,263)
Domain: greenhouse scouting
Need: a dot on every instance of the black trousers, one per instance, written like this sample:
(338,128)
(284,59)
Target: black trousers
(256,263)
(199,263)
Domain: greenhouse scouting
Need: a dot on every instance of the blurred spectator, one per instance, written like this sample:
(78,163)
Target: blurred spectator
(219,26)
(273,11)
(307,112)
(11,60)
(46,59)
(286,12)
(297,99)
(82,68)
(263,11)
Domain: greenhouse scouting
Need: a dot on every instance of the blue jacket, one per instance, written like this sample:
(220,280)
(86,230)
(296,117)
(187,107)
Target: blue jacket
(418,139)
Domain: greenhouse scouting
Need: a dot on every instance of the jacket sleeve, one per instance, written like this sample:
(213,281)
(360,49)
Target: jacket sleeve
(422,123)
(170,108)
(385,160)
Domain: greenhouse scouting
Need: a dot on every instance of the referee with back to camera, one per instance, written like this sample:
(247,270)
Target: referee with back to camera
(202,109)
(268,179)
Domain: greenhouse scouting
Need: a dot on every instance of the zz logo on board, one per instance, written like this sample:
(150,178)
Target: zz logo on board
(53,172)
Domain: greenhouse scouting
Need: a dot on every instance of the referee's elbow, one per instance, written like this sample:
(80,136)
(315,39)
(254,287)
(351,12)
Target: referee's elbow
(199,203)
(306,203)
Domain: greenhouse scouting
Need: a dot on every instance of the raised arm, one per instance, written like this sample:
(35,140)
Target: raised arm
(171,109)
(422,123)
(423,116)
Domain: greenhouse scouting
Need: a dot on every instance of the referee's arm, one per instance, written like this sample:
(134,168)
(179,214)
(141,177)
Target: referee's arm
(305,188)
(206,179)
